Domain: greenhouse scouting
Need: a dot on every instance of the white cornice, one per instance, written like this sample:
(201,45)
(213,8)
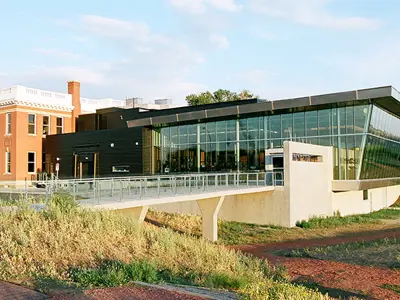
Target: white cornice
(66,108)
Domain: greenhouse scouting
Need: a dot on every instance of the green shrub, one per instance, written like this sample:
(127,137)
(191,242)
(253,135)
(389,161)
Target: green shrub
(272,290)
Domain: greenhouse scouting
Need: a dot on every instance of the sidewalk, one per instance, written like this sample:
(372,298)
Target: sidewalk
(10,291)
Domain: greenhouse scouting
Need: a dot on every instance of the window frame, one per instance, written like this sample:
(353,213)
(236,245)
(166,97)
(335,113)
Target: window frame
(34,124)
(8,123)
(34,162)
(8,163)
(62,125)
(48,125)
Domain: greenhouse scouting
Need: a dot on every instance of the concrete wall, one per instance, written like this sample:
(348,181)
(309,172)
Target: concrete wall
(256,208)
(349,203)
(308,185)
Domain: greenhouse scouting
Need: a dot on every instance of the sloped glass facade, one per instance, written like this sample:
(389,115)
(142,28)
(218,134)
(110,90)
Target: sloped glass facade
(382,148)
(239,144)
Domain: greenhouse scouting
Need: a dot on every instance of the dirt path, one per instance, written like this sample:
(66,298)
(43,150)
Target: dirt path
(338,279)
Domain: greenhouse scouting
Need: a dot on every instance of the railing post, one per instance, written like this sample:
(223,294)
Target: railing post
(203,182)
(47,194)
(140,189)
(112,187)
(26,190)
(190,184)
(216,181)
(247,179)
(158,186)
(121,190)
(257,178)
(74,189)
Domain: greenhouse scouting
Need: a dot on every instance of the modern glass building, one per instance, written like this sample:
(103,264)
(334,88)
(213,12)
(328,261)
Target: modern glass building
(364,134)
(362,126)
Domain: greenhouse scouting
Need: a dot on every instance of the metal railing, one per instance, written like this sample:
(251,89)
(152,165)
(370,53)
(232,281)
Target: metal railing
(138,187)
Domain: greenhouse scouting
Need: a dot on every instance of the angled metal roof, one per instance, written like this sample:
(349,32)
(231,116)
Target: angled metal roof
(386,97)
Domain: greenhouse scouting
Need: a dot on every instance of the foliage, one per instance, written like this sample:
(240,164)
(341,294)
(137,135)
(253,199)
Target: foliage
(217,97)
(338,221)
(382,253)
(272,290)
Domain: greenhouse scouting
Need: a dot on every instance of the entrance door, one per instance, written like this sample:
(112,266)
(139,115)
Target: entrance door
(85,165)
(278,169)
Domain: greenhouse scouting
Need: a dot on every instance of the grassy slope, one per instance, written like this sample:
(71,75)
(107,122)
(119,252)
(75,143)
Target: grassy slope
(233,233)
(102,249)
(381,253)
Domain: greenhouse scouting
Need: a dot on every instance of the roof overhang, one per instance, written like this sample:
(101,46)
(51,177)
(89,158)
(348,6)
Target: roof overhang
(361,185)
(386,97)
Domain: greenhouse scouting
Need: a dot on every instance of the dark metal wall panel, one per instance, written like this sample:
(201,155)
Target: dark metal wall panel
(291,103)
(165,119)
(139,122)
(222,112)
(333,98)
(375,93)
(125,151)
(190,116)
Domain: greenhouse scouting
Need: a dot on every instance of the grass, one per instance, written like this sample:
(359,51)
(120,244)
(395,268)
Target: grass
(234,233)
(392,287)
(339,221)
(73,247)
(381,253)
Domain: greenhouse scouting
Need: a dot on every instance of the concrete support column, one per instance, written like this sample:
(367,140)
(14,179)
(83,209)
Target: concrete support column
(209,211)
(138,213)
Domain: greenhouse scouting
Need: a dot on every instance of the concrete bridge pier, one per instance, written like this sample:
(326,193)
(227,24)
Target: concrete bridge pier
(209,210)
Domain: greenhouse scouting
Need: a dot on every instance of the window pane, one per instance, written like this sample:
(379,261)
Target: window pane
(312,123)
(59,121)
(287,124)
(31,119)
(298,125)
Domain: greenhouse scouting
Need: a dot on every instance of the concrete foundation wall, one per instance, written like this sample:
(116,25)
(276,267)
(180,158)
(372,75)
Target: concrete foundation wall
(350,203)
(256,208)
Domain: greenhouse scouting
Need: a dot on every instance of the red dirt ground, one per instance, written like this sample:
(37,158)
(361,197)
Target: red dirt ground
(334,277)
(126,293)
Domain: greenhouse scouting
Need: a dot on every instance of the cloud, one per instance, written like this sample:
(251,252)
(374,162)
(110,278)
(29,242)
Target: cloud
(253,76)
(115,28)
(310,12)
(136,62)
(56,53)
(219,40)
(201,6)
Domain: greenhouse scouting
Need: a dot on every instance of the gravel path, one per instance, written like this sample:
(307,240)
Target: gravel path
(334,277)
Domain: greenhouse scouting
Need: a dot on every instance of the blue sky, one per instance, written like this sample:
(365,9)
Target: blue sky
(171,48)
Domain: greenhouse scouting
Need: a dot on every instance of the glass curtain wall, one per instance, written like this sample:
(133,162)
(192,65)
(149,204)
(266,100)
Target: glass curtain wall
(382,148)
(240,144)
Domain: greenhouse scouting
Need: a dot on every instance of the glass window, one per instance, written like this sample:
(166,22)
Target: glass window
(210,131)
(59,125)
(8,123)
(342,120)
(31,162)
(312,123)
(192,132)
(360,118)
(298,125)
(221,131)
(287,126)
(46,125)
(349,119)
(183,137)
(8,162)
(243,134)
(31,124)
(231,130)
(324,122)
(253,128)
(174,135)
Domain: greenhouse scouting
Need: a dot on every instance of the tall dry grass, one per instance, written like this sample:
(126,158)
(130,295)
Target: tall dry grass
(48,243)
(51,243)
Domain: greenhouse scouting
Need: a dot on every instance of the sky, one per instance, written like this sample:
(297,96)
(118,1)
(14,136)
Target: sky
(171,48)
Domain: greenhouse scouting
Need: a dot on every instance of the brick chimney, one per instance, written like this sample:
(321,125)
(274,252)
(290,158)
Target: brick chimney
(74,89)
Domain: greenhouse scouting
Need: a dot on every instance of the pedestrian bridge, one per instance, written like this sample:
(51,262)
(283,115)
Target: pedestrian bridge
(133,196)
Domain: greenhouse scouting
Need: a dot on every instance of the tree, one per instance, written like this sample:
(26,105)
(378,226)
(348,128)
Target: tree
(218,97)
